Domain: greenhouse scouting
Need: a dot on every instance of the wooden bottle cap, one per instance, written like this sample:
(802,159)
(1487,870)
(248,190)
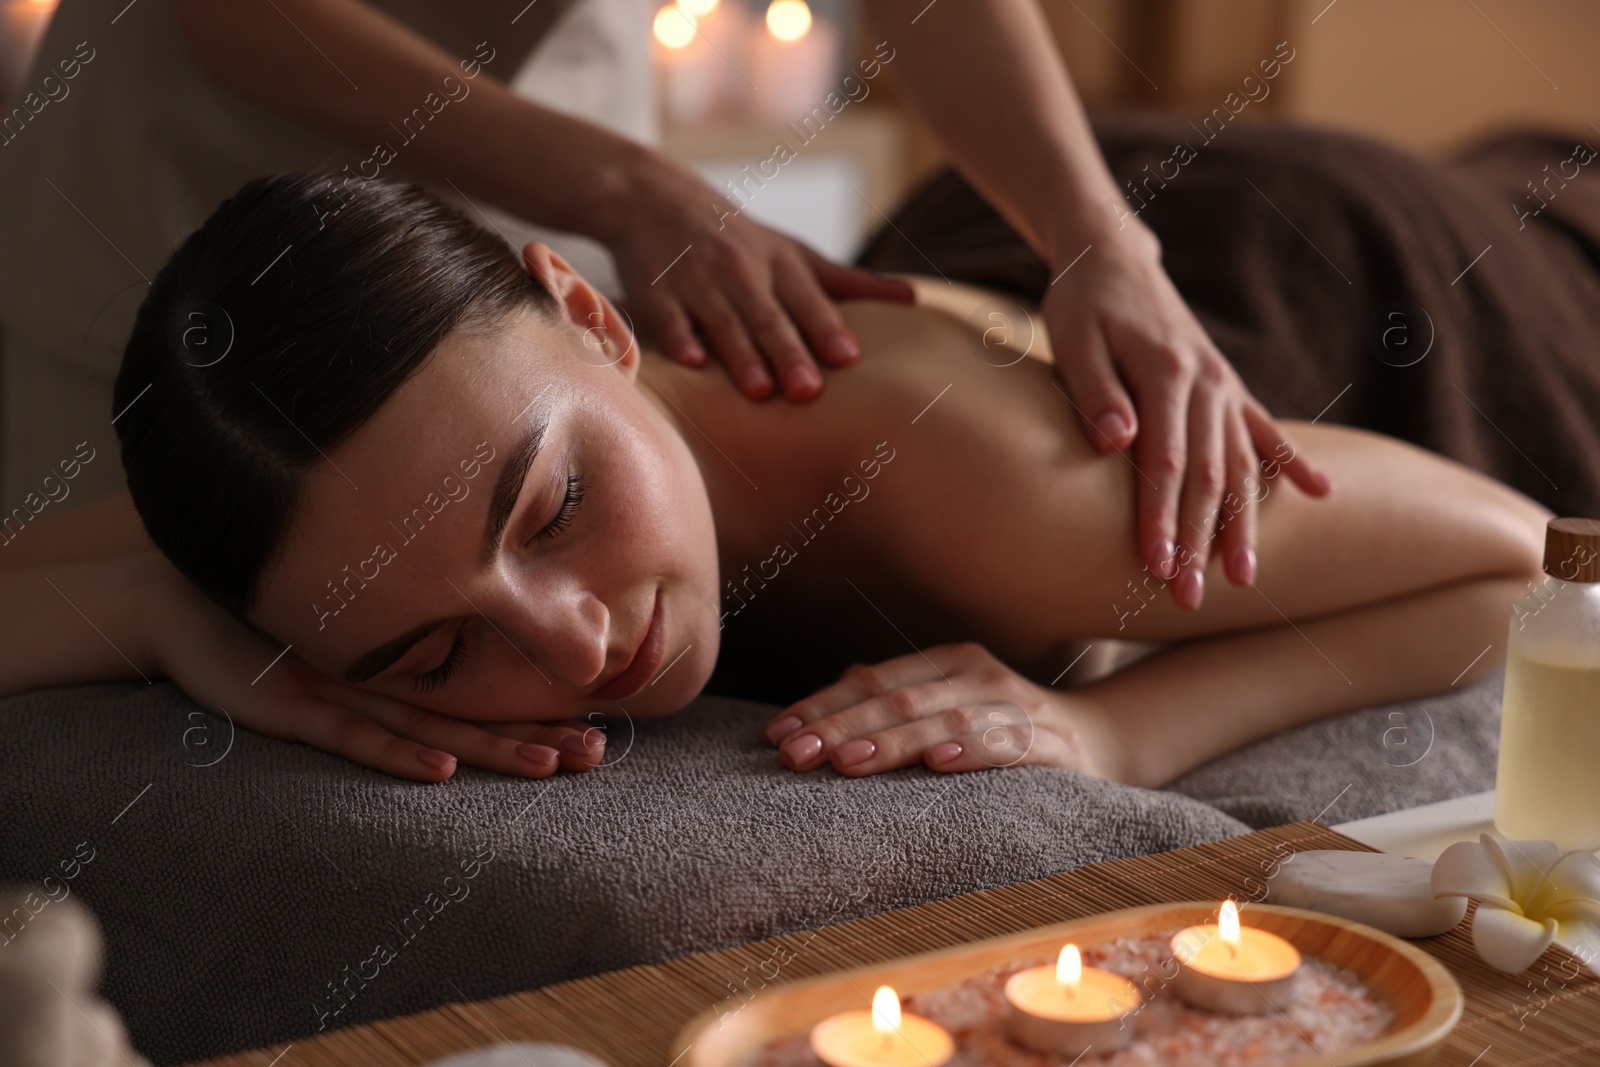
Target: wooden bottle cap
(1572,549)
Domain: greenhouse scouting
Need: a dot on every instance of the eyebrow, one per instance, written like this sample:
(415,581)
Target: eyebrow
(508,486)
(502,499)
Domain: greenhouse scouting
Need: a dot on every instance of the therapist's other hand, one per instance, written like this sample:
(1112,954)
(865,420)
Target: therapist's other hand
(1117,325)
(953,707)
(220,663)
(764,301)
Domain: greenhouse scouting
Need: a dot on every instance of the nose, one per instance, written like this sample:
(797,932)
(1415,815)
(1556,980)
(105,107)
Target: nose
(560,628)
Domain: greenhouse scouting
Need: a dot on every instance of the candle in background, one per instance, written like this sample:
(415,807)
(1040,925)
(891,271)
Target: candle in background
(699,51)
(1229,968)
(794,60)
(881,1037)
(23,29)
(686,64)
(1068,1008)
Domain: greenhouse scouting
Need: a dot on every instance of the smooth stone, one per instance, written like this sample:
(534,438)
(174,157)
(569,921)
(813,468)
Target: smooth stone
(1392,893)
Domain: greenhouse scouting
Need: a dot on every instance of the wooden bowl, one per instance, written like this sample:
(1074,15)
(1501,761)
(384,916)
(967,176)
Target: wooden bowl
(1424,997)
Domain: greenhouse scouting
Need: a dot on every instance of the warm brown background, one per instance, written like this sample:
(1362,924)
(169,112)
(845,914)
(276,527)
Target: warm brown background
(1429,74)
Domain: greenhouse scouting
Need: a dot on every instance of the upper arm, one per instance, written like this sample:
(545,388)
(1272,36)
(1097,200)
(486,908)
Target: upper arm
(106,527)
(1050,554)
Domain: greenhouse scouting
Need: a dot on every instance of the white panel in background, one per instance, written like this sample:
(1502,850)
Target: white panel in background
(810,198)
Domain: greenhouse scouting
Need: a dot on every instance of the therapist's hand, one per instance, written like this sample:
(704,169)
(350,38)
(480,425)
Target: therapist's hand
(1201,442)
(763,301)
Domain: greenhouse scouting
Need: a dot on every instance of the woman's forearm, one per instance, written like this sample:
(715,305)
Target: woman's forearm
(72,623)
(372,71)
(987,79)
(1181,707)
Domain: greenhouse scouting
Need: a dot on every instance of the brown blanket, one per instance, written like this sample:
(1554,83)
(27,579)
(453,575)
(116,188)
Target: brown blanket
(1462,311)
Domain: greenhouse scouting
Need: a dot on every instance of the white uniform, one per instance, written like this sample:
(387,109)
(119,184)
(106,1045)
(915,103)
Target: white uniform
(103,173)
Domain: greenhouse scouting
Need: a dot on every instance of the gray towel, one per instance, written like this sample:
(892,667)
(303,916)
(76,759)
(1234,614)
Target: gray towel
(254,892)
(282,891)
(1361,763)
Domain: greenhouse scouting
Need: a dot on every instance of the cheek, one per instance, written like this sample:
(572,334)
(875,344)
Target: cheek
(666,529)
(659,520)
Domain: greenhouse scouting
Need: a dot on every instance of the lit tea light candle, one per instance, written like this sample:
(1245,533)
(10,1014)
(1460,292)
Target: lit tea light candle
(1069,1008)
(882,1037)
(794,60)
(1245,971)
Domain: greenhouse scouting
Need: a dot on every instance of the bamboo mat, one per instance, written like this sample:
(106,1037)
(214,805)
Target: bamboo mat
(1549,1015)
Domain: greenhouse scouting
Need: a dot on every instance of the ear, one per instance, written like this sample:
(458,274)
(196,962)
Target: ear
(601,335)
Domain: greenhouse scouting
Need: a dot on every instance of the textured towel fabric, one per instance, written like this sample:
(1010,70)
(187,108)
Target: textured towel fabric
(1333,272)
(281,889)
(1362,763)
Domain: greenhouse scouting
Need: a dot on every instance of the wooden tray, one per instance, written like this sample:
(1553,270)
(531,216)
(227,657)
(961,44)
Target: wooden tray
(1424,997)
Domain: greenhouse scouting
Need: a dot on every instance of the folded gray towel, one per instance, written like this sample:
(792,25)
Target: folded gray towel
(1361,763)
(280,891)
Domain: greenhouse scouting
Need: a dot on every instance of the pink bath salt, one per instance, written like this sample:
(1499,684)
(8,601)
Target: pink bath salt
(1330,1007)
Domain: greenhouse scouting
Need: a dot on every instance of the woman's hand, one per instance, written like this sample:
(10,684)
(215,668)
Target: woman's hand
(955,708)
(222,664)
(1115,318)
(688,258)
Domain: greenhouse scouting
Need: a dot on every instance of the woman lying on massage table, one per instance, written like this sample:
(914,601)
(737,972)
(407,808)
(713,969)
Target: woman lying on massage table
(424,502)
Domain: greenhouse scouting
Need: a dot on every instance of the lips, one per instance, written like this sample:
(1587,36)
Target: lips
(646,658)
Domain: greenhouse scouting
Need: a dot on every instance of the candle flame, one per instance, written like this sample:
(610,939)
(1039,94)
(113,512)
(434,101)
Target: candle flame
(674,26)
(1069,965)
(789,20)
(1228,924)
(885,1010)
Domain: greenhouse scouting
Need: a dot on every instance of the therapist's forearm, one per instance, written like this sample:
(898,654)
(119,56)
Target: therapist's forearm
(986,77)
(350,72)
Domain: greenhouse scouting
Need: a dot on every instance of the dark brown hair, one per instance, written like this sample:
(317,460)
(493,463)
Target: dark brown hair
(274,331)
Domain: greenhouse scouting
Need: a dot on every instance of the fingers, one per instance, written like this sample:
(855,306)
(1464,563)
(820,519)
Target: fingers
(536,751)
(666,318)
(815,313)
(988,735)
(1237,540)
(1202,490)
(1104,409)
(966,735)
(765,305)
(1007,744)
(853,283)
(332,728)
(841,722)
(725,332)
(1278,453)
(840,735)
(1162,456)
(861,681)
(768,323)
(580,744)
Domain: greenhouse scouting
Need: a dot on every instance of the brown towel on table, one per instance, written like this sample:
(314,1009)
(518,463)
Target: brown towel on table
(1320,260)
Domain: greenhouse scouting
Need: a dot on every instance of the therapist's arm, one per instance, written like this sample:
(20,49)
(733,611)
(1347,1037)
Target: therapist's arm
(987,79)
(351,72)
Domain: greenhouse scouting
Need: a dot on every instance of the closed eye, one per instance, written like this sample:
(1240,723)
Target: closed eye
(570,503)
(569,508)
(427,683)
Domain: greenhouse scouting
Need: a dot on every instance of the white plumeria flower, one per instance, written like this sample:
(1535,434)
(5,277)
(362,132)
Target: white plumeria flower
(1528,893)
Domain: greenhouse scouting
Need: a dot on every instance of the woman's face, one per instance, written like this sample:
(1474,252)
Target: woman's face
(495,541)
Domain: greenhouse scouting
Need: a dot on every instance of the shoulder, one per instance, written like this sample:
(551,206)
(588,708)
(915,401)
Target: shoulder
(994,500)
